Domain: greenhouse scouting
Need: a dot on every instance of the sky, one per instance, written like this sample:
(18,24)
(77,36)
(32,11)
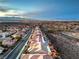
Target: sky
(40,9)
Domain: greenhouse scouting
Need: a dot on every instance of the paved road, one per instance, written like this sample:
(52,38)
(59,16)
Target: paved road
(13,54)
(69,37)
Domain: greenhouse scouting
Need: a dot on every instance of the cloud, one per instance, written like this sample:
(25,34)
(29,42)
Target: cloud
(5,11)
(22,14)
(17,13)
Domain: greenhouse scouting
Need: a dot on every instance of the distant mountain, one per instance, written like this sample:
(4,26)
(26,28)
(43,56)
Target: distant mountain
(18,19)
(10,18)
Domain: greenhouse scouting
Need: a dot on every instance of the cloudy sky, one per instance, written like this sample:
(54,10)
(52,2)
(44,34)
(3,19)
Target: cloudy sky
(40,9)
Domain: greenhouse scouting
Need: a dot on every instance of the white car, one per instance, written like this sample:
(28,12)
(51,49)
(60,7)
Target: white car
(1,49)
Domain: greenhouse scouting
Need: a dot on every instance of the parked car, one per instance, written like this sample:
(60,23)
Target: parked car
(1,49)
